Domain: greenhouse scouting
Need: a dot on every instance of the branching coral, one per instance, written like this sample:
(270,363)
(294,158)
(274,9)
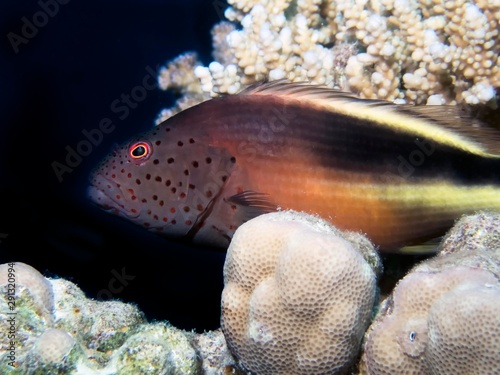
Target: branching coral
(409,51)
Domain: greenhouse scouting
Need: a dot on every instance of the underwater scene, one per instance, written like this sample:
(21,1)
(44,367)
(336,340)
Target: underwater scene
(250,187)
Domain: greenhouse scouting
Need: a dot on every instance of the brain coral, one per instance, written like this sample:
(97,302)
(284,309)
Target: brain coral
(464,330)
(442,318)
(298,295)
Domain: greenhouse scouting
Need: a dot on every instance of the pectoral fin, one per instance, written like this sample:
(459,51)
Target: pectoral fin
(251,204)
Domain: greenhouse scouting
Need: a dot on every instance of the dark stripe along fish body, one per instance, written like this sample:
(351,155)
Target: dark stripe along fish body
(399,174)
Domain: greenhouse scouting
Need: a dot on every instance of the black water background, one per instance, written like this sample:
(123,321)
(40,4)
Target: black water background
(62,81)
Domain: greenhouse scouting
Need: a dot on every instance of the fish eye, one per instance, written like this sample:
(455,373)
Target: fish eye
(139,150)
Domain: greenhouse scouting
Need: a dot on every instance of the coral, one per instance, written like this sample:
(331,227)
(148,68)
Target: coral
(407,51)
(214,353)
(463,329)
(55,351)
(157,349)
(53,345)
(178,74)
(112,323)
(100,326)
(26,308)
(439,319)
(473,233)
(298,298)
(298,295)
(29,280)
(58,330)
(179,77)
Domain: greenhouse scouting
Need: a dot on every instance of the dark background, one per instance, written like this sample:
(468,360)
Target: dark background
(61,81)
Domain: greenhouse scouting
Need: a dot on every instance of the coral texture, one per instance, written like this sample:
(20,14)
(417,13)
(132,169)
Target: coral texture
(60,331)
(442,318)
(298,295)
(408,51)
(473,233)
(463,329)
(298,298)
(26,307)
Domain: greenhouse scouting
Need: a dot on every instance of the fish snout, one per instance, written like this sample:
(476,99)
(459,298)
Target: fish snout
(109,196)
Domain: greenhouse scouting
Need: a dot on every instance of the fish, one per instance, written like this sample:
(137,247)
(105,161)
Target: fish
(399,174)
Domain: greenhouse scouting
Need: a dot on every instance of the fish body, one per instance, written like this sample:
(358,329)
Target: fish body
(399,174)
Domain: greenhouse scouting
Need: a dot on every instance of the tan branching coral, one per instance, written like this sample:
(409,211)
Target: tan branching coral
(407,51)
(179,77)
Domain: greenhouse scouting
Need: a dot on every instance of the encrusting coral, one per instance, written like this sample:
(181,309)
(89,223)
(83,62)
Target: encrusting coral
(58,330)
(298,295)
(30,297)
(407,51)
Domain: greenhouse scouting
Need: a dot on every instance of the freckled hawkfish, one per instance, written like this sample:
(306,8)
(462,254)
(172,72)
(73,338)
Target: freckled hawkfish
(399,174)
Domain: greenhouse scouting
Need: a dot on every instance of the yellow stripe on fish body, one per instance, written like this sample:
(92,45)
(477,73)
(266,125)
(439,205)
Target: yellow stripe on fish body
(419,211)
(392,215)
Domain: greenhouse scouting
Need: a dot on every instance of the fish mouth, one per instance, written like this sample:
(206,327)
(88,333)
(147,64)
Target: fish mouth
(108,196)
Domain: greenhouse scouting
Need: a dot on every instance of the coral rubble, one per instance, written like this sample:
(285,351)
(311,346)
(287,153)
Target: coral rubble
(407,51)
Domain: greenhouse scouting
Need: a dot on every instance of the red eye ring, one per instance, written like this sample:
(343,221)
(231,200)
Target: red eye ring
(139,151)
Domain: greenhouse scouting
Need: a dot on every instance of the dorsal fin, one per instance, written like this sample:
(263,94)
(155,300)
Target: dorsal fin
(459,121)
(445,124)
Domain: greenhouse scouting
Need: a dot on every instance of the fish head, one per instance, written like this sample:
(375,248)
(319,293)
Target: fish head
(165,180)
